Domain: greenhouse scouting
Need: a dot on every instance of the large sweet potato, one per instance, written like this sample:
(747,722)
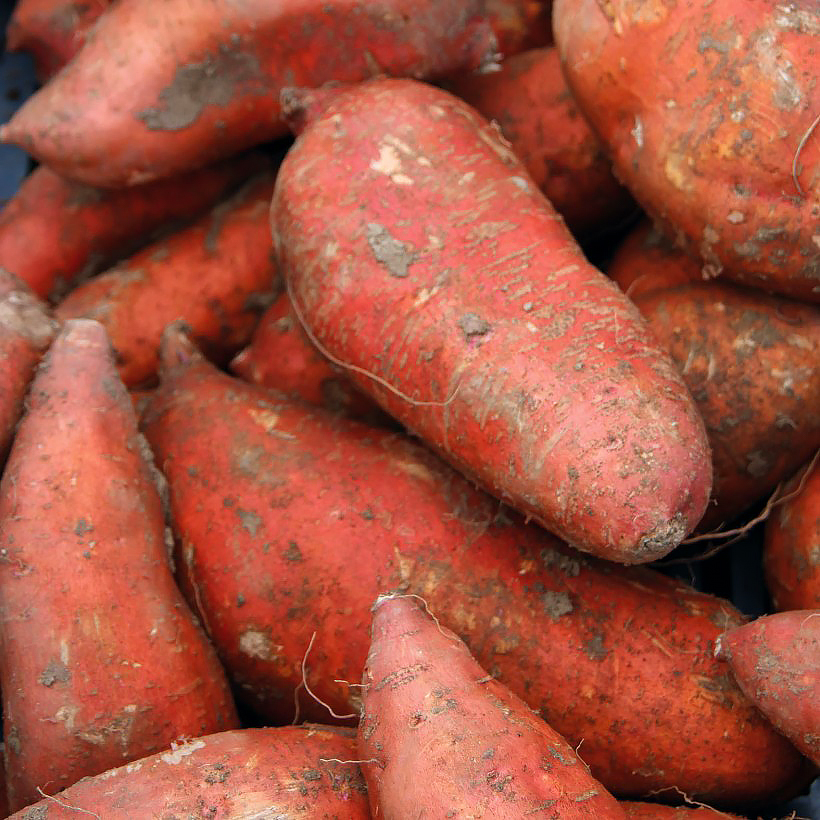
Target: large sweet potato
(420,251)
(290,521)
(53,232)
(443,739)
(529,100)
(707,109)
(26,330)
(153,93)
(776,661)
(791,553)
(101,661)
(253,774)
(749,359)
(653,811)
(217,274)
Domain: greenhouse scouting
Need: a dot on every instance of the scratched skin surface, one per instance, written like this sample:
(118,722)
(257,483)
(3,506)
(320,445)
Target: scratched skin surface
(290,521)
(450,740)
(702,106)
(101,661)
(152,94)
(418,248)
(749,359)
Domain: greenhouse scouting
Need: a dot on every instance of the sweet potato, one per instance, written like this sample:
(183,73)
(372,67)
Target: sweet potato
(218,275)
(281,356)
(52,31)
(26,329)
(284,773)
(529,100)
(707,108)
(443,739)
(776,662)
(749,359)
(791,552)
(419,250)
(290,521)
(151,94)
(53,231)
(653,811)
(101,661)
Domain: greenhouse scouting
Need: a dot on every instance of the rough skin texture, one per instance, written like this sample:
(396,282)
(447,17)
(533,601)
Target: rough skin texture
(707,109)
(255,774)
(101,661)
(776,661)
(529,100)
(54,232)
(418,249)
(52,31)
(217,274)
(290,521)
(26,330)
(652,811)
(749,359)
(791,556)
(152,94)
(446,740)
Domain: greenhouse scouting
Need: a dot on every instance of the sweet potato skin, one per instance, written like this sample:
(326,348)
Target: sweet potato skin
(442,734)
(529,100)
(245,773)
(290,521)
(653,811)
(520,25)
(53,232)
(776,662)
(217,274)
(418,249)
(791,551)
(702,107)
(210,90)
(748,358)
(52,31)
(101,661)
(26,330)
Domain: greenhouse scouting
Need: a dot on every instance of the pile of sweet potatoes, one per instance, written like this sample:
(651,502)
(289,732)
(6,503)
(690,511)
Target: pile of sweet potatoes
(354,354)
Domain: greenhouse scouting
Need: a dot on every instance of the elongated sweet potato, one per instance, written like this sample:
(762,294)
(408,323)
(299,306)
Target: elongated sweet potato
(529,100)
(52,31)
(217,274)
(290,521)
(443,739)
(707,109)
(281,356)
(253,773)
(791,555)
(776,662)
(53,231)
(26,329)
(749,359)
(151,95)
(419,250)
(101,661)
(653,811)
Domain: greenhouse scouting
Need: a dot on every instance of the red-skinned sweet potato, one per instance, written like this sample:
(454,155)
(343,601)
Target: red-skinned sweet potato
(53,231)
(151,95)
(101,661)
(52,31)
(529,100)
(749,359)
(290,521)
(217,274)
(419,250)
(26,329)
(281,356)
(706,108)
(653,811)
(791,552)
(284,773)
(776,662)
(438,732)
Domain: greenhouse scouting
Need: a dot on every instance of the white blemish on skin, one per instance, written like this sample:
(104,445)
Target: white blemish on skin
(256,644)
(520,182)
(637,132)
(179,753)
(389,164)
(736,217)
